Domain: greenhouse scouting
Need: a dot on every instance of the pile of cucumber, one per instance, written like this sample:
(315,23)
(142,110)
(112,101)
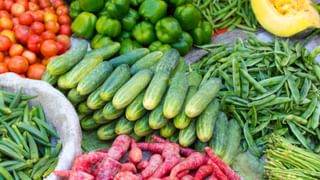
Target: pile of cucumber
(139,93)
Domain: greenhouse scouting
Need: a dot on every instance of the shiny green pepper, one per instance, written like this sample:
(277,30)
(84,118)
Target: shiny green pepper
(99,41)
(103,12)
(153,10)
(84,25)
(168,30)
(184,44)
(188,16)
(108,26)
(158,46)
(202,33)
(177,2)
(144,33)
(136,2)
(75,9)
(124,35)
(130,20)
(128,45)
(91,5)
(117,8)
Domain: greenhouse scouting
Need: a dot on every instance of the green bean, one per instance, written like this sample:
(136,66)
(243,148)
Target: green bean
(4,149)
(295,118)
(32,130)
(298,134)
(314,121)
(254,118)
(253,81)
(316,69)
(23,176)
(269,93)
(308,112)
(236,77)
(5,173)
(305,88)
(46,127)
(12,134)
(51,168)
(262,101)
(249,139)
(13,115)
(293,88)
(271,81)
(22,141)
(20,166)
(38,174)
(15,147)
(237,117)
(39,164)
(15,100)
(261,127)
(56,150)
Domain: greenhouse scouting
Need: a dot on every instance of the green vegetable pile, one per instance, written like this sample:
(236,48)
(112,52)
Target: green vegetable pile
(156,24)
(25,147)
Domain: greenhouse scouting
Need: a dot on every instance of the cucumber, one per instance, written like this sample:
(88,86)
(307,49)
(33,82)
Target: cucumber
(233,142)
(131,89)
(168,61)
(157,119)
(181,67)
(106,52)
(95,78)
(84,109)
(75,97)
(49,78)
(94,101)
(168,130)
(124,126)
(220,134)
(110,112)
(146,62)
(88,123)
(199,146)
(187,136)
(72,78)
(175,97)
(194,79)
(130,57)
(174,138)
(63,63)
(107,132)
(98,117)
(141,127)
(201,99)
(206,121)
(114,82)
(136,110)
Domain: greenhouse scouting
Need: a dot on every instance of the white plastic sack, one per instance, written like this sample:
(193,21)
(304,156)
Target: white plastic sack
(59,112)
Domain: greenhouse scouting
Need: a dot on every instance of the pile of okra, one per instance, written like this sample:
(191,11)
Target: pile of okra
(26,151)
(269,87)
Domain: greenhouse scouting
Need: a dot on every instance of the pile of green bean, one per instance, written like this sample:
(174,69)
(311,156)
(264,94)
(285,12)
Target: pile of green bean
(25,148)
(228,14)
(269,87)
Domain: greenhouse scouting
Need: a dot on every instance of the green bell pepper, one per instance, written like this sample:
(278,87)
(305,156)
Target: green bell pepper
(188,16)
(124,35)
(84,25)
(99,41)
(130,20)
(158,46)
(168,30)
(136,2)
(117,8)
(104,12)
(177,2)
(108,26)
(144,33)
(153,10)
(128,45)
(75,9)
(91,5)
(202,33)
(184,44)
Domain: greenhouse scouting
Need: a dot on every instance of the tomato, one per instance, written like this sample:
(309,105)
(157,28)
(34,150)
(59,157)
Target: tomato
(48,35)
(24,3)
(2,6)
(22,33)
(5,43)
(47,60)
(62,10)
(52,26)
(15,21)
(3,68)
(17,9)
(31,56)
(61,48)
(36,71)
(4,13)
(44,3)
(57,3)
(10,34)
(16,50)
(49,48)
(34,43)
(37,27)
(18,64)
(8,4)
(33,6)
(65,29)
(50,16)
(1,56)
(26,19)
(34,1)
(6,23)
(65,40)
(7,59)
(64,19)
(38,15)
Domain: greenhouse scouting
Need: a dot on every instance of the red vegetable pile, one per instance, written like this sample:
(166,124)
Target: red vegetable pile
(167,161)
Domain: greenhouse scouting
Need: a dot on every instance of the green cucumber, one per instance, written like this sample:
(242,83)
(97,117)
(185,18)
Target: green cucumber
(88,123)
(194,79)
(84,109)
(110,112)
(174,138)
(94,100)
(168,130)
(206,121)
(49,78)
(95,78)
(146,62)
(75,97)
(136,110)
(130,57)
(124,126)
(63,63)
(233,142)
(175,96)
(199,146)
(141,127)
(187,136)
(98,117)
(182,67)
(168,61)
(201,99)
(114,82)
(157,119)
(106,52)
(219,140)
(107,132)
(131,89)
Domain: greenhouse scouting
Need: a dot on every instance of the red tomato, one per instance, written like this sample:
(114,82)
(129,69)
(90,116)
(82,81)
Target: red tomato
(46,61)
(17,9)
(10,34)
(62,10)
(33,6)
(37,27)
(52,26)
(5,43)
(31,56)
(8,4)
(61,48)
(44,3)
(65,40)
(50,16)
(65,29)
(22,33)
(2,6)
(16,50)
(57,3)
(38,15)
(24,3)
(3,68)
(34,43)
(15,21)
(6,23)
(36,71)
(18,64)
(34,1)
(49,48)
(26,19)
(4,13)
(1,56)
(48,35)
(64,19)
(7,59)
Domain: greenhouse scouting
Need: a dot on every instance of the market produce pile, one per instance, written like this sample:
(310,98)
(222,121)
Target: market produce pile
(25,139)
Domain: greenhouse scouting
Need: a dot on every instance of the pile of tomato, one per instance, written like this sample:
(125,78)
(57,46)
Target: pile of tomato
(31,33)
